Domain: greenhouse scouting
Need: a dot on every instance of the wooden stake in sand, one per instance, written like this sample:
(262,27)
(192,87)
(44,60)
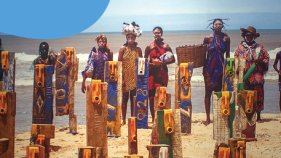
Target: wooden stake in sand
(7,124)
(237,147)
(133,156)
(42,117)
(96,116)
(247,102)
(7,105)
(141,104)
(161,101)
(158,151)
(183,95)
(169,127)
(66,75)
(132,136)
(90,152)
(35,151)
(113,76)
(224,113)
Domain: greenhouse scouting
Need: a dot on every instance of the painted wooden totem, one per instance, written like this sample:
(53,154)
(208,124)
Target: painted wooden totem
(113,76)
(89,152)
(183,95)
(132,136)
(141,107)
(236,148)
(7,105)
(247,102)
(133,156)
(224,113)
(96,116)
(162,101)
(35,151)
(66,75)
(42,95)
(228,74)
(158,151)
(169,128)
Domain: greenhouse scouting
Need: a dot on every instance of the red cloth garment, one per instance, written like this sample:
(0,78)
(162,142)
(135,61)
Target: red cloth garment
(158,76)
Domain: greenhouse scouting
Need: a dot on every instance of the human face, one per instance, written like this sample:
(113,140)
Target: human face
(131,39)
(218,25)
(249,37)
(102,42)
(44,49)
(157,34)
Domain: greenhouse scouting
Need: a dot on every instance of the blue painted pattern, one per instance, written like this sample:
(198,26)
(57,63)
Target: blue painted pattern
(141,105)
(8,75)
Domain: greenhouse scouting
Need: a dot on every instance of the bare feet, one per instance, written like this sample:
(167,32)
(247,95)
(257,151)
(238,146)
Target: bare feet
(123,123)
(206,123)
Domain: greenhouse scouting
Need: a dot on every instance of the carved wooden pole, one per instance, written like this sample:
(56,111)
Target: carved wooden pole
(96,116)
(132,136)
(183,95)
(113,76)
(7,105)
(141,103)
(35,151)
(161,101)
(89,152)
(42,117)
(66,75)
(156,150)
(224,112)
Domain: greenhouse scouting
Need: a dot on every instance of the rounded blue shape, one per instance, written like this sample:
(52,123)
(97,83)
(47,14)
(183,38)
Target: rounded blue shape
(49,19)
(140,115)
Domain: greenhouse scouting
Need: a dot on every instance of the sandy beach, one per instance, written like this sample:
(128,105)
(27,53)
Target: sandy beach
(199,143)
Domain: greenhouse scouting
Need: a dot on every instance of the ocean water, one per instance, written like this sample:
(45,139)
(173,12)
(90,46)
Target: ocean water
(27,50)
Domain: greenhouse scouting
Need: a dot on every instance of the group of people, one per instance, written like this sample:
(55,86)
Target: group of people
(128,53)
(218,45)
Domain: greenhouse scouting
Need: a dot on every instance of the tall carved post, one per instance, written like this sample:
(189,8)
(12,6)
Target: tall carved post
(228,74)
(169,127)
(132,136)
(183,95)
(158,151)
(161,101)
(247,102)
(66,75)
(141,103)
(113,76)
(96,116)
(224,112)
(42,117)
(7,105)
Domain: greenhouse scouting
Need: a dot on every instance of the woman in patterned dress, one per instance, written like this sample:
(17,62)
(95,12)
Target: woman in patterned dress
(128,54)
(158,70)
(97,59)
(248,50)
(218,44)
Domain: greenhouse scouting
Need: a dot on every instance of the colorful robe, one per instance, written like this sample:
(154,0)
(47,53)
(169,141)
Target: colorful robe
(158,76)
(256,80)
(129,68)
(213,68)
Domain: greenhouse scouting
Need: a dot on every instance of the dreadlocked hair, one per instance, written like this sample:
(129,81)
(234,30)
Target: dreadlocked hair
(214,20)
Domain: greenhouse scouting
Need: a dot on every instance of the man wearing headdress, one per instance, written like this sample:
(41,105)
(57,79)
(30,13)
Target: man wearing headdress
(249,49)
(218,44)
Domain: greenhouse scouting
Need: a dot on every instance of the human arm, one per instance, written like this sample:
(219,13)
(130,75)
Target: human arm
(121,50)
(83,88)
(110,56)
(140,52)
(227,41)
(275,63)
(263,59)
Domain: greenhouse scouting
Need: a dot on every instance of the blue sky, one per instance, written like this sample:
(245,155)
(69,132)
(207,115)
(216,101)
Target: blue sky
(188,14)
